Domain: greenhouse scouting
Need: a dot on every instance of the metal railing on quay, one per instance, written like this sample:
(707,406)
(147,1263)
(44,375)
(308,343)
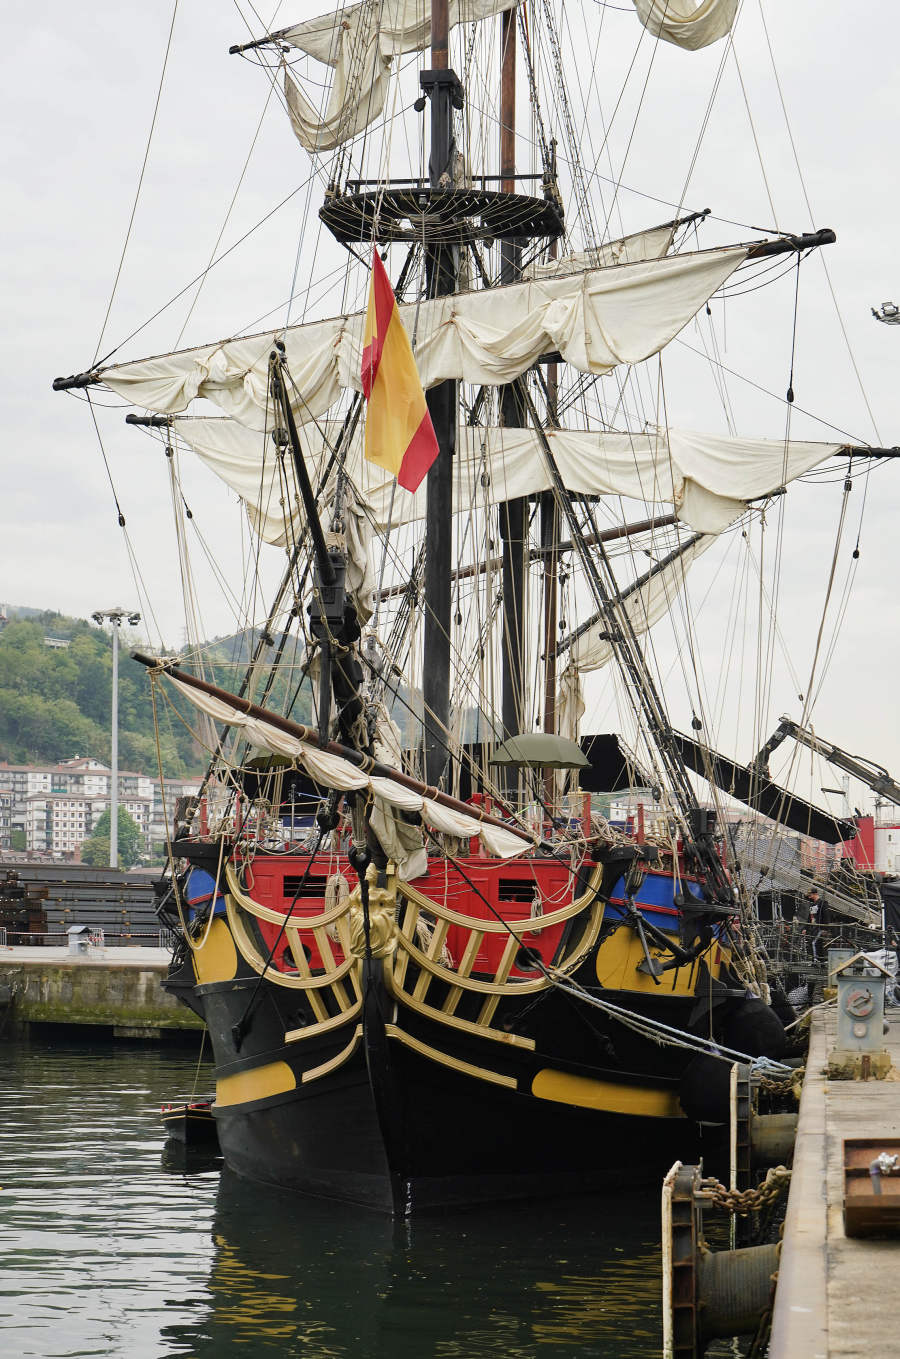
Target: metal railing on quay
(799,947)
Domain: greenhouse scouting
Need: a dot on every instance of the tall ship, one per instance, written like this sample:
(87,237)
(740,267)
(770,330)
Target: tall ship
(435,966)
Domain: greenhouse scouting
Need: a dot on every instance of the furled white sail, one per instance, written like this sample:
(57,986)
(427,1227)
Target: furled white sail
(360,42)
(643,608)
(688,23)
(401,25)
(595,320)
(641,245)
(357,96)
(708,478)
(333,771)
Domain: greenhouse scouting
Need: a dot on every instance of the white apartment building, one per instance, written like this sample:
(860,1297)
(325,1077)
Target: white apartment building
(20,781)
(5,819)
(58,823)
(80,778)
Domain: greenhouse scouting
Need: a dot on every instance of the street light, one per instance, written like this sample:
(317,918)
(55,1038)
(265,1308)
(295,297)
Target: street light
(116,617)
(889,314)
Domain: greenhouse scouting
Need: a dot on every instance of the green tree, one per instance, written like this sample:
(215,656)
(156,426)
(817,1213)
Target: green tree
(95,849)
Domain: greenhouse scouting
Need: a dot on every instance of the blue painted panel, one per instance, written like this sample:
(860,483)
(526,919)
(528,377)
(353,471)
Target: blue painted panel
(657,889)
(199,888)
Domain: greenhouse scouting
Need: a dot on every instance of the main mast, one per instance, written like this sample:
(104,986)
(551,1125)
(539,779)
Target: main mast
(441,265)
(513,513)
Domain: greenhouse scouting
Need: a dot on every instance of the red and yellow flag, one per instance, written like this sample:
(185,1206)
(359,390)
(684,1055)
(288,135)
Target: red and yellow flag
(399,434)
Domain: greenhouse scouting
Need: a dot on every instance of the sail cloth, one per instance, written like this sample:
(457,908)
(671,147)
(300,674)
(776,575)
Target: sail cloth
(688,23)
(594,320)
(400,437)
(643,608)
(360,42)
(333,771)
(708,478)
(357,96)
(640,245)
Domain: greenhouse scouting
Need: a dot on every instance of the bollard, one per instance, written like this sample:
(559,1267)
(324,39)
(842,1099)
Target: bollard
(707,1295)
(772,1138)
(859,1052)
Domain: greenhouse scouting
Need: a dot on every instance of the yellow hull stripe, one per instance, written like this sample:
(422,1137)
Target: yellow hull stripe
(612,1096)
(425,1050)
(276,1078)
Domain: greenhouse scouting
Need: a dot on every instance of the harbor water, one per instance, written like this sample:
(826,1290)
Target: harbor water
(112,1247)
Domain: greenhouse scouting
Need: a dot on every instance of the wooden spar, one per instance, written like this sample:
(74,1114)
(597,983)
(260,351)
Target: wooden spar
(440,35)
(539,553)
(311,737)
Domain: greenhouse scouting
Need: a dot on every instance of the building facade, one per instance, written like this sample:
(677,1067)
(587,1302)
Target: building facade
(57,806)
(58,823)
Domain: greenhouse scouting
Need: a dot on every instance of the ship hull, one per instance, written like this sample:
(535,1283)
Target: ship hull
(456,1141)
(376,1084)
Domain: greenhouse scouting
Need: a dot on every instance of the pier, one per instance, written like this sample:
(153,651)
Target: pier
(114,991)
(834,1293)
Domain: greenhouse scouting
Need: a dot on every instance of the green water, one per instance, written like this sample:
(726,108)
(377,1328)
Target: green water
(107,1251)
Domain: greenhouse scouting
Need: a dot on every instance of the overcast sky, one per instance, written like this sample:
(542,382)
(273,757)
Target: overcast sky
(80,85)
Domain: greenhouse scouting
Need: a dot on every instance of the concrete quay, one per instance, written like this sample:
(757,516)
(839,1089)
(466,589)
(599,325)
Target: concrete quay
(834,1297)
(114,990)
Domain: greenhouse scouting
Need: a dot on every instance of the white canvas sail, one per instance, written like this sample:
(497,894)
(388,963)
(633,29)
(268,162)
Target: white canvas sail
(333,771)
(707,478)
(640,245)
(360,42)
(644,607)
(687,23)
(595,320)
(356,98)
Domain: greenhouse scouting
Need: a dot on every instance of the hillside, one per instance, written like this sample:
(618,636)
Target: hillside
(55,700)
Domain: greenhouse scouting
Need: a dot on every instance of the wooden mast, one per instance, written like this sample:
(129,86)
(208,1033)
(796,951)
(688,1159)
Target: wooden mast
(513,513)
(443,87)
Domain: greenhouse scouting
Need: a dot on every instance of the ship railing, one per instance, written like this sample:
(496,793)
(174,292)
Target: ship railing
(441,982)
(338,977)
(419,951)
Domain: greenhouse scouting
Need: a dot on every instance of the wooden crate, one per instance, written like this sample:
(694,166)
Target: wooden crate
(871,1201)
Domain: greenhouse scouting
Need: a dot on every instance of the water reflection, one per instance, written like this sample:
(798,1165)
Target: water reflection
(297,1277)
(109,1251)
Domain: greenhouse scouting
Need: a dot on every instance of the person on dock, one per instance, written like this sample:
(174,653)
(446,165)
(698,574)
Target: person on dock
(814,906)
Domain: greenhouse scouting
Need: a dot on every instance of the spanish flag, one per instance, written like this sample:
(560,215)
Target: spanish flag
(399,434)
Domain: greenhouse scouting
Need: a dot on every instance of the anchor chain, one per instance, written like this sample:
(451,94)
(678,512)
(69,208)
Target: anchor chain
(745,1201)
(780,1085)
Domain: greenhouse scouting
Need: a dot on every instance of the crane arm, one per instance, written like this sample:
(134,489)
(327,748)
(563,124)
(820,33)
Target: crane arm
(869,773)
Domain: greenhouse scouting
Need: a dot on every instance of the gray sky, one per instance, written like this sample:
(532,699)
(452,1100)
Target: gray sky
(80,95)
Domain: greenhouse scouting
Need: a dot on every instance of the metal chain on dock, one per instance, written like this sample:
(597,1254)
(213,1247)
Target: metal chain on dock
(743,1202)
(781,1085)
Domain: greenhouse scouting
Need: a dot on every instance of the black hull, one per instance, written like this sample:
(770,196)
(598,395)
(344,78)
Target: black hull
(464,1144)
(394,1132)
(393,1089)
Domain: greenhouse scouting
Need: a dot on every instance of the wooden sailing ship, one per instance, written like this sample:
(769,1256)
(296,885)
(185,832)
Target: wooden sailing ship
(432,974)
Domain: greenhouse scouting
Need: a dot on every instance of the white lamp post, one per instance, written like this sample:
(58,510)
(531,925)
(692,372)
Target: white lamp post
(116,617)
